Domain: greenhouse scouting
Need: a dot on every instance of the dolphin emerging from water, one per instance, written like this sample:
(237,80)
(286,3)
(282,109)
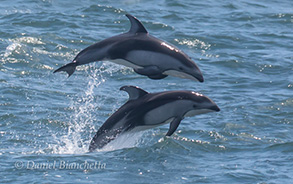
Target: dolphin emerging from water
(144,53)
(146,110)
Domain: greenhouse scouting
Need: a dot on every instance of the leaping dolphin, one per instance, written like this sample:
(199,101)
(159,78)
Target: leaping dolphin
(139,50)
(145,110)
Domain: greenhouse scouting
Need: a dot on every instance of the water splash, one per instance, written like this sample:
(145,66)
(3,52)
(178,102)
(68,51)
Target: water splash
(82,122)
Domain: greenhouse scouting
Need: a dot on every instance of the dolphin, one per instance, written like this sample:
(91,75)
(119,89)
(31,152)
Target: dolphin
(139,50)
(145,110)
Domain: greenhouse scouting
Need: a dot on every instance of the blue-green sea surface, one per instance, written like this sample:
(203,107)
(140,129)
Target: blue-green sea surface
(244,49)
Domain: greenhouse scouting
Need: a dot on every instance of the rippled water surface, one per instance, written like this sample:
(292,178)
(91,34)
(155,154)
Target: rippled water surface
(244,49)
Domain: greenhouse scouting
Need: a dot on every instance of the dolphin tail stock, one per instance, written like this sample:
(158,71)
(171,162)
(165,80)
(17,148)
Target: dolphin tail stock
(99,141)
(68,68)
(103,137)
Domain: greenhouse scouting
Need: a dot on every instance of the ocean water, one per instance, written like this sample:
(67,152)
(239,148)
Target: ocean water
(243,48)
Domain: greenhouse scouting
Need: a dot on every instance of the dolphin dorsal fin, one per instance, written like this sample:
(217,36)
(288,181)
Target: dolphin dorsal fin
(134,92)
(136,25)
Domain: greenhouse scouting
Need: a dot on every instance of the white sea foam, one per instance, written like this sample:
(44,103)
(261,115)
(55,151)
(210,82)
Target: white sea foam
(10,48)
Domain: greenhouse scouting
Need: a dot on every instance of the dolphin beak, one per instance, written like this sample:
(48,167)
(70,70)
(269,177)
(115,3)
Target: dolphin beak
(196,73)
(199,78)
(199,75)
(215,108)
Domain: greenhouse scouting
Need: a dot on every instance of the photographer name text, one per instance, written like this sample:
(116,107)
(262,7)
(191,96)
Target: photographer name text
(60,164)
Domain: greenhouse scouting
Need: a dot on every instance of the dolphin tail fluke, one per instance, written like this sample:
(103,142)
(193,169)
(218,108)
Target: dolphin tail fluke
(69,68)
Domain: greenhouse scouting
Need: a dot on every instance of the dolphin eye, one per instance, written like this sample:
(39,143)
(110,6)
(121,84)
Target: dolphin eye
(194,106)
(180,68)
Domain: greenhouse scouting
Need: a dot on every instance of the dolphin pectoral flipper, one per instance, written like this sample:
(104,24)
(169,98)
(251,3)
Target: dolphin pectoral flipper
(148,70)
(173,126)
(69,68)
(159,76)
